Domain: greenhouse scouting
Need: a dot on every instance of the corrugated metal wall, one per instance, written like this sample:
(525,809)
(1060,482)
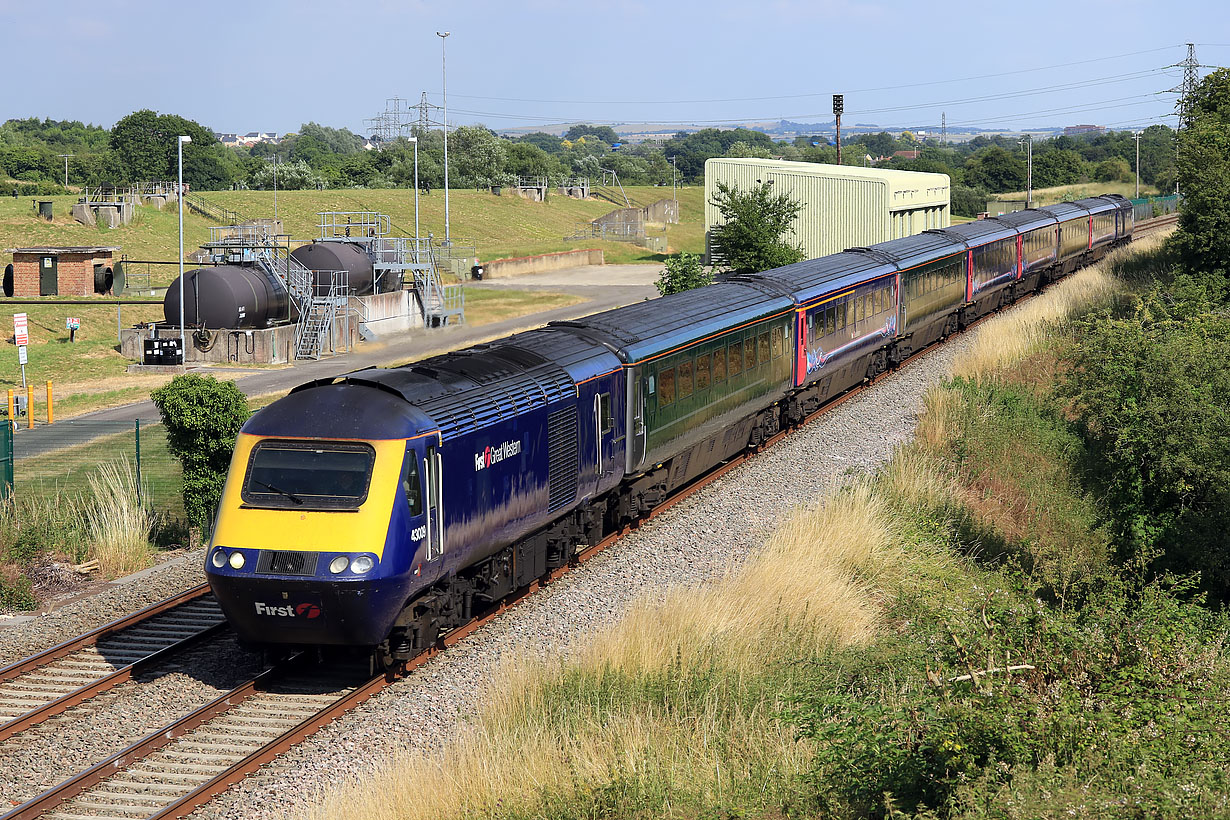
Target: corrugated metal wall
(843,206)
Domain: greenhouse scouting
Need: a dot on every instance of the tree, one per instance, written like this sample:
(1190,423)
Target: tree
(682,272)
(742,149)
(605,133)
(996,170)
(477,155)
(1203,238)
(1115,169)
(755,222)
(202,417)
(145,146)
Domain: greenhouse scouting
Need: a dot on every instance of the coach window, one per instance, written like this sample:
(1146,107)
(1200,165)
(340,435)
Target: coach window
(704,373)
(666,386)
(719,365)
(841,315)
(764,348)
(749,353)
(410,483)
(606,421)
(829,319)
(776,340)
(735,361)
(685,379)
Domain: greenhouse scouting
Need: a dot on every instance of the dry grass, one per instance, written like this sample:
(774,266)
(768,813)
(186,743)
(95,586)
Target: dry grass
(1007,339)
(118,524)
(568,729)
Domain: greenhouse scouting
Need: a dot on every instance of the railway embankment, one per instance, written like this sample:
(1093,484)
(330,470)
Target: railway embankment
(949,626)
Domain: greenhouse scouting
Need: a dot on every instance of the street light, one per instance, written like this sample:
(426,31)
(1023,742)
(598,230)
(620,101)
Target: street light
(1137,135)
(1029,178)
(444,88)
(415,140)
(183,338)
(66,156)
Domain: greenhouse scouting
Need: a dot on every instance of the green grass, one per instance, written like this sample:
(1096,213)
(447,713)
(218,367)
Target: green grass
(502,226)
(1081,190)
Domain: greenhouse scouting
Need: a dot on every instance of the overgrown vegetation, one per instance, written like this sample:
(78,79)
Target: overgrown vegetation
(202,416)
(682,272)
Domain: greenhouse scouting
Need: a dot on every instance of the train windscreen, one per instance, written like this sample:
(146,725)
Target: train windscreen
(295,474)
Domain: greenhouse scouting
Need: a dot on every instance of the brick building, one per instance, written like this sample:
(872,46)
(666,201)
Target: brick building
(59,271)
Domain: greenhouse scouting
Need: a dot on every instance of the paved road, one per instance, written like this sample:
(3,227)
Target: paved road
(603,286)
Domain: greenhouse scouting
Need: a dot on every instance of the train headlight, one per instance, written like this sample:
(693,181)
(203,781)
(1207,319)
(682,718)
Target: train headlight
(219,559)
(339,564)
(362,564)
(236,560)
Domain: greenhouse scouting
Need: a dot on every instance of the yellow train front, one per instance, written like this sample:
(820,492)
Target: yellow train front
(322,528)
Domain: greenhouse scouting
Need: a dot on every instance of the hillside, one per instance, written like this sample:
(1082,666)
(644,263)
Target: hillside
(501,226)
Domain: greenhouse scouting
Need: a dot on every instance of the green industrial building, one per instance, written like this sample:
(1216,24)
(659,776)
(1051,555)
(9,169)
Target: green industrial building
(844,206)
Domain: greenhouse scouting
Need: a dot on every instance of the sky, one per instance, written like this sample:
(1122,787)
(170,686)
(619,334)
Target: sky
(270,65)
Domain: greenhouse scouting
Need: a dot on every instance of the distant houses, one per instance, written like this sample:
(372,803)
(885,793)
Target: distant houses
(247,140)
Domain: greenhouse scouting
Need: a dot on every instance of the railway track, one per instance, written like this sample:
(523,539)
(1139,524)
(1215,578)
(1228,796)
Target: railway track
(46,684)
(182,766)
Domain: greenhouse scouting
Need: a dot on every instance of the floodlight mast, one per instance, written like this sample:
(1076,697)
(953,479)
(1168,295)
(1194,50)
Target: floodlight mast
(183,338)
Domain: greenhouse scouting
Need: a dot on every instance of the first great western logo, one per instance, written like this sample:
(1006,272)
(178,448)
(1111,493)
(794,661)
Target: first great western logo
(494,455)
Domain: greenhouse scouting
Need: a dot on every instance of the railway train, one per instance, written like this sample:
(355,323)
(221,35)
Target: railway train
(382,508)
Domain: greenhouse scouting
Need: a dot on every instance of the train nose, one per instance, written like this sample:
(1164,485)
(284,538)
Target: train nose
(306,598)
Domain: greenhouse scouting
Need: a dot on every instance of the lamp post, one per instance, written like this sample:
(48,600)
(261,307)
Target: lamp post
(183,338)
(674,196)
(415,140)
(444,89)
(66,156)
(1029,174)
(1137,136)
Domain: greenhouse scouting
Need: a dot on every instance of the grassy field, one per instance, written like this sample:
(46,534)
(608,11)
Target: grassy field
(502,226)
(1049,196)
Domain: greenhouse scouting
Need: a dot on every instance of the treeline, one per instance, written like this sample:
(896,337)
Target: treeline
(141,146)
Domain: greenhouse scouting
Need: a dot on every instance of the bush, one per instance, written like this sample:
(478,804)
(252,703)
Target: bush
(202,416)
(967,201)
(682,272)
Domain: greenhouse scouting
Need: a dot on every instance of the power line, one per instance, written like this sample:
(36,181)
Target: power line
(1072,86)
(809,95)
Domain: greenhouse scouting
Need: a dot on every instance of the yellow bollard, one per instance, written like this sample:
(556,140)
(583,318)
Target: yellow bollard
(29,407)
(50,412)
(12,409)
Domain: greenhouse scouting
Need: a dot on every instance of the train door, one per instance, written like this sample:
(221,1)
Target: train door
(639,385)
(413,473)
(433,480)
(604,434)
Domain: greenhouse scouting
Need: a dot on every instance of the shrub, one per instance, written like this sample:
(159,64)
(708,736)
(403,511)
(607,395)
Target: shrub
(202,416)
(682,272)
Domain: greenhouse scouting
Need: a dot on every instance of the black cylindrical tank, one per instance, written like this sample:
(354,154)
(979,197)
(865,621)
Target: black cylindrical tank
(226,296)
(337,256)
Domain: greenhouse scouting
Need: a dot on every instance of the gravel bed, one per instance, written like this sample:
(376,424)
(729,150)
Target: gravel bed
(693,542)
(21,638)
(42,757)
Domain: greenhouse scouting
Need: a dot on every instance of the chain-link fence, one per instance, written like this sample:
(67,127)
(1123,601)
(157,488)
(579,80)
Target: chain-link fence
(57,461)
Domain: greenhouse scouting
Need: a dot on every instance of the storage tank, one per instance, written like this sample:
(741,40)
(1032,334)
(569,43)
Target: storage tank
(337,256)
(226,296)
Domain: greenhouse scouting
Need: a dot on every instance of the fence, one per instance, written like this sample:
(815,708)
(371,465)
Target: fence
(1154,206)
(56,461)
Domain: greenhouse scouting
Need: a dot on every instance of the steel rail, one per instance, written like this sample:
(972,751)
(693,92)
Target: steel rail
(92,637)
(100,685)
